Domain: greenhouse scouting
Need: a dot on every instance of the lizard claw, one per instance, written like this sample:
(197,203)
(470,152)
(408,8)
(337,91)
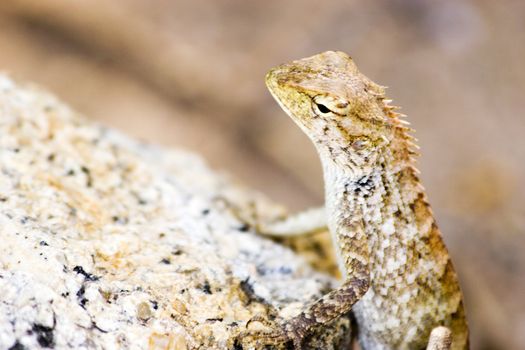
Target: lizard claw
(261,319)
(256,339)
(246,214)
(291,332)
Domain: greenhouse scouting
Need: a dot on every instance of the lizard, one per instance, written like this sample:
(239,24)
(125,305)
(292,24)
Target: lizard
(398,278)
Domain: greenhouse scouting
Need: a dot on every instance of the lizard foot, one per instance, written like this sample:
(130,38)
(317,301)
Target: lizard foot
(440,339)
(246,214)
(289,333)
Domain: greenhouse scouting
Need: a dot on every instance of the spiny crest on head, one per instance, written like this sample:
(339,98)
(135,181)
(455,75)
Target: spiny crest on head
(401,125)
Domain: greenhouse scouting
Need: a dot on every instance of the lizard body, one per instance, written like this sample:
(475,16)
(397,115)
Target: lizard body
(398,277)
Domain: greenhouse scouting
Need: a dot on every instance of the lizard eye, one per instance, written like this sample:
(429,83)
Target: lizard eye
(322,108)
(328,104)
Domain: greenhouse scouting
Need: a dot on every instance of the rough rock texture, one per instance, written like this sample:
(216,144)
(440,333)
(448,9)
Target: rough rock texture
(109,243)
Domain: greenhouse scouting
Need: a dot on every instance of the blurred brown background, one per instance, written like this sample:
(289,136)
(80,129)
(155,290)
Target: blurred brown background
(190,74)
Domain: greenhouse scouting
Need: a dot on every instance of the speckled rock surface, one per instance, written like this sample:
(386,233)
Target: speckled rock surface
(107,243)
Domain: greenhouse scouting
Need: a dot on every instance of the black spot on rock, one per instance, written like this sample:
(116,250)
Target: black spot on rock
(17,346)
(89,181)
(81,298)
(88,276)
(176,251)
(120,220)
(206,288)
(244,227)
(44,335)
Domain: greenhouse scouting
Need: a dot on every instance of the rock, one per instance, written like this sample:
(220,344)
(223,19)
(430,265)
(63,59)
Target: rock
(110,243)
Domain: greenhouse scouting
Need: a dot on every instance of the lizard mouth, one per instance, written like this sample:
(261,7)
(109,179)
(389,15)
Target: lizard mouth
(293,99)
(272,83)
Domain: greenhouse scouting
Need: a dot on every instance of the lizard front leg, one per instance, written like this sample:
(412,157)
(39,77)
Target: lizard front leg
(332,305)
(306,222)
(355,256)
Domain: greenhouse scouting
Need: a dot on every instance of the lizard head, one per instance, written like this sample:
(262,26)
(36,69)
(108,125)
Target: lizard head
(332,102)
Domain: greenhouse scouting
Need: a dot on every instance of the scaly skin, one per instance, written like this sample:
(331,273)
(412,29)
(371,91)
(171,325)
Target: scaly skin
(399,279)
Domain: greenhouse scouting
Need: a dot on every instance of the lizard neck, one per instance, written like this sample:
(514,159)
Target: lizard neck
(382,198)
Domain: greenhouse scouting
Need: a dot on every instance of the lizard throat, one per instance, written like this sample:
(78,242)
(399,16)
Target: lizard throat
(383,202)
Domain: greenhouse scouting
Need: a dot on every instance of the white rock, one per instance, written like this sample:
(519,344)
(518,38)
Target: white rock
(108,243)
